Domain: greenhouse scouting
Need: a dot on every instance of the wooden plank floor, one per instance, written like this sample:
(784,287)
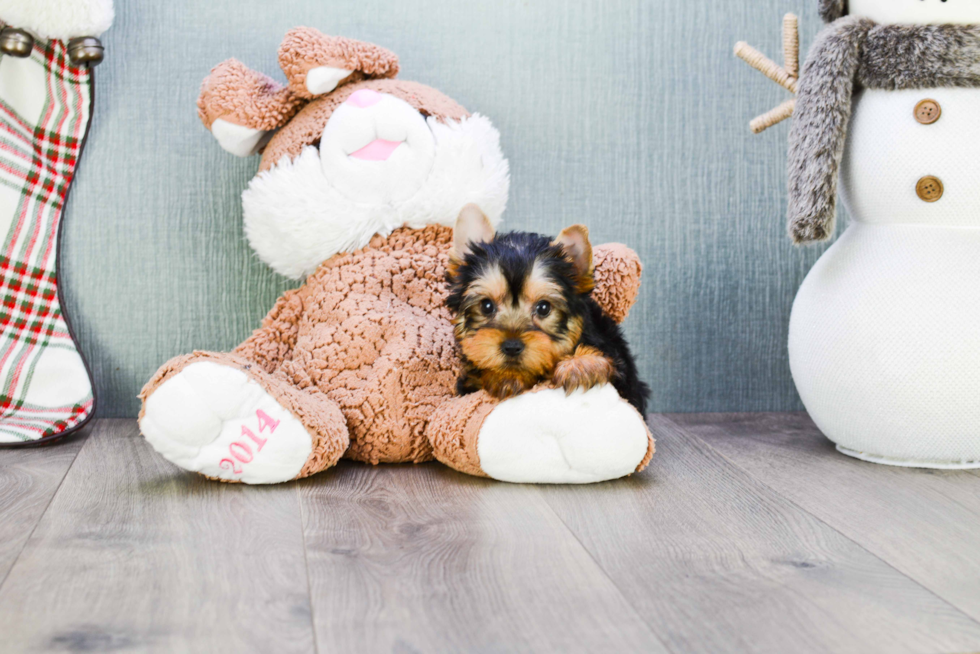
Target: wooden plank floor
(748,533)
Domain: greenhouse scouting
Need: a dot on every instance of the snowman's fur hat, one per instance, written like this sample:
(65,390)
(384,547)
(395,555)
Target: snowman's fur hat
(831,10)
(857,52)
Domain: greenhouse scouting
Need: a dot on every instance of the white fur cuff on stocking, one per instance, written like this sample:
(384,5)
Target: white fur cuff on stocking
(58,19)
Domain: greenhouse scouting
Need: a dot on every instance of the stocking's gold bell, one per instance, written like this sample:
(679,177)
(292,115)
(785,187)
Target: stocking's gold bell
(15,42)
(85,51)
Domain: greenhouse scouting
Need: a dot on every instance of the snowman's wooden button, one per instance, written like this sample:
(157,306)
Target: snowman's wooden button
(928,111)
(929,188)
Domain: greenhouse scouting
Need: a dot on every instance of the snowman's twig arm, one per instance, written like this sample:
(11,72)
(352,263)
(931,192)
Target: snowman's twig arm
(773,117)
(786,75)
(791,45)
(765,65)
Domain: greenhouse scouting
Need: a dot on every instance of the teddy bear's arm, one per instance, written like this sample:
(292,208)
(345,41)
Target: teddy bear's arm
(462,433)
(617,279)
(272,343)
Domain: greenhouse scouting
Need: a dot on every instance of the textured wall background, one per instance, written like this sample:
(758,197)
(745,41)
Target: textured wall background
(629,115)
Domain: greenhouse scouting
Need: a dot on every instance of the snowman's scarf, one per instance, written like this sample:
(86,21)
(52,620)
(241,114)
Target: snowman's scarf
(853,53)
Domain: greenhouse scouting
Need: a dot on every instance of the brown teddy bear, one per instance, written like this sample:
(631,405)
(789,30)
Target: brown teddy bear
(357,192)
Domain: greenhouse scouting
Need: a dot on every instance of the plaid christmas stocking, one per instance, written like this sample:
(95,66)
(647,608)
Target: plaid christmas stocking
(45,107)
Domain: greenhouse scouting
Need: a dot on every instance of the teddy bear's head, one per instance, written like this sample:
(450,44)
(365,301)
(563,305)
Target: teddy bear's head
(348,150)
(915,12)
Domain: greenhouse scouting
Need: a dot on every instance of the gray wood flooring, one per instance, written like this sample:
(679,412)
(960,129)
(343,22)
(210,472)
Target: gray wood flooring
(748,533)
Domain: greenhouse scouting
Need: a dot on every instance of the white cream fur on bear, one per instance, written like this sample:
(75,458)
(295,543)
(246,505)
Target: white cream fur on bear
(303,211)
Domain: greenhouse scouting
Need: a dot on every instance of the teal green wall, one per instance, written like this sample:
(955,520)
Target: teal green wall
(629,115)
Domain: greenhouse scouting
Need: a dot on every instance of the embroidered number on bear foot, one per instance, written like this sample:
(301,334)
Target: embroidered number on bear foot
(242,450)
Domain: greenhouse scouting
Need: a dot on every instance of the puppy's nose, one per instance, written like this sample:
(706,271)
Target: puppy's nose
(364,98)
(512,347)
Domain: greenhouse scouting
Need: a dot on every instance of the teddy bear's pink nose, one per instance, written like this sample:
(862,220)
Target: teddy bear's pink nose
(364,98)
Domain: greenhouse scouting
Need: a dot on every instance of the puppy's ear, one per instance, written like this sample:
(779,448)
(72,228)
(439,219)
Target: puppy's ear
(472,226)
(575,241)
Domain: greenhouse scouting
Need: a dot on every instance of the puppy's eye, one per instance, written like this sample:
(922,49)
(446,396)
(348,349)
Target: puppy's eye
(542,309)
(487,307)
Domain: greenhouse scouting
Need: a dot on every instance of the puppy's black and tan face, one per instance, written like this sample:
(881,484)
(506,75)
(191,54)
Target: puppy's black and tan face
(514,317)
(517,301)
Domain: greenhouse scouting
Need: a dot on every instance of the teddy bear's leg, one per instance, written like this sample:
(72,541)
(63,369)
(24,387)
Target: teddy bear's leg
(223,416)
(272,343)
(543,437)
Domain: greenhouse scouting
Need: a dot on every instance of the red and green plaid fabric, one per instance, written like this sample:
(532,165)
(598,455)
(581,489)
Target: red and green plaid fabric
(45,105)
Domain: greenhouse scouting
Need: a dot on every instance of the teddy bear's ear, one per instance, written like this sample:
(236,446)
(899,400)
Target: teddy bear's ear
(316,64)
(831,10)
(242,107)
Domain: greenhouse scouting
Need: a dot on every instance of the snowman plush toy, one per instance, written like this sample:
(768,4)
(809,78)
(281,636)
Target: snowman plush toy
(884,338)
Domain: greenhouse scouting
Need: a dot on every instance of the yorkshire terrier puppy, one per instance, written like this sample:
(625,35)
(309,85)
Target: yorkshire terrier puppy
(524,313)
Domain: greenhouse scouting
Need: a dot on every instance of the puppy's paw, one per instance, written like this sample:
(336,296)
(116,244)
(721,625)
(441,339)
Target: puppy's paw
(585,369)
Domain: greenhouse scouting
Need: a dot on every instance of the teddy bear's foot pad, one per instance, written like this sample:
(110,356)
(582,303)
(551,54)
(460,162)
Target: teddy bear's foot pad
(547,437)
(218,421)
